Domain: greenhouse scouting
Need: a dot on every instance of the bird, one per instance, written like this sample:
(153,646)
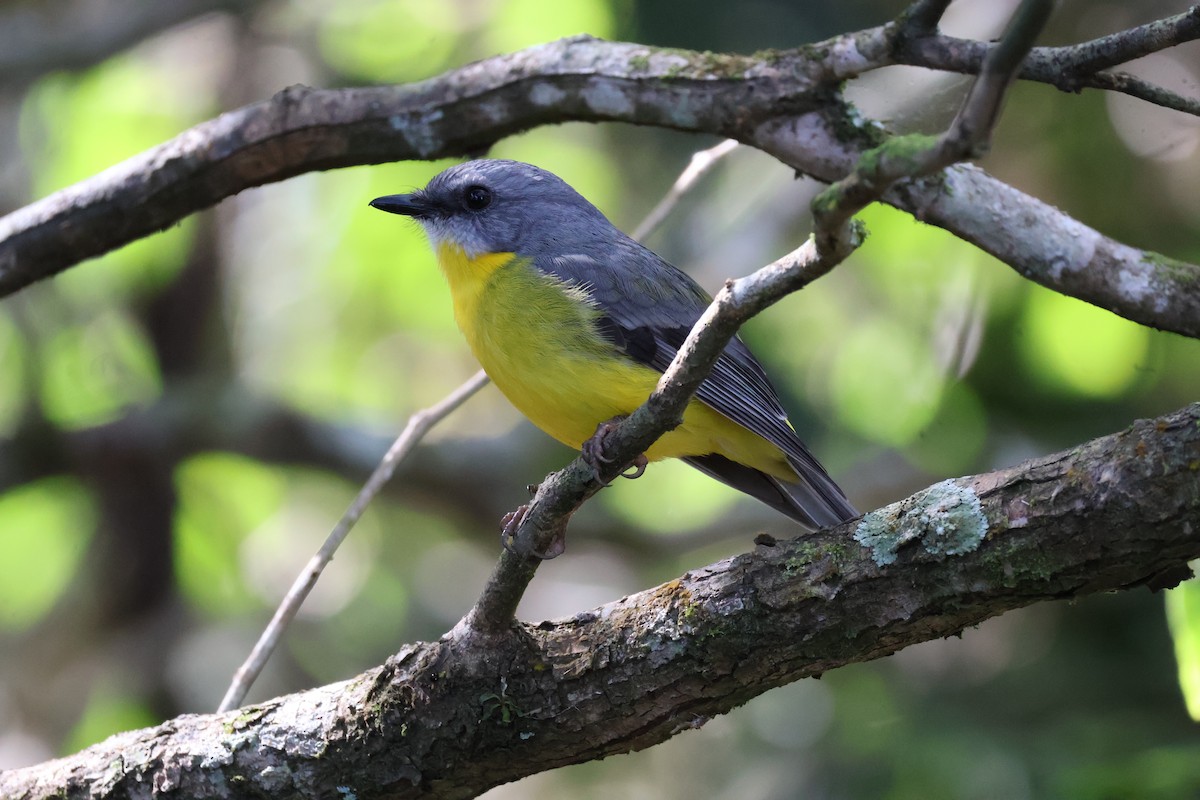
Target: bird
(575,322)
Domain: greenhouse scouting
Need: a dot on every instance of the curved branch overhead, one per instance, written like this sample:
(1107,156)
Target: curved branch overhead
(303,130)
(784,103)
(455,717)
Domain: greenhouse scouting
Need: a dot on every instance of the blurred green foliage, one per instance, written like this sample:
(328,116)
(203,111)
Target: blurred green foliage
(919,359)
(222,498)
(94,371)
(389,40)
(1070,345)
(109,709)
(44,529)
(1183,614)
(13,368)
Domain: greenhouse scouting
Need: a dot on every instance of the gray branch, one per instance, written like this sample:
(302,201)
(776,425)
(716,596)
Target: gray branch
(783,104)
(1071,68)
(454,717)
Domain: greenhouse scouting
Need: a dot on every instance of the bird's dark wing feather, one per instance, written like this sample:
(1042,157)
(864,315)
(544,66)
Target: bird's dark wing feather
(646,310)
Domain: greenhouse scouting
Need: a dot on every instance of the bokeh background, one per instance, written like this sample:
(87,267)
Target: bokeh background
(182,421)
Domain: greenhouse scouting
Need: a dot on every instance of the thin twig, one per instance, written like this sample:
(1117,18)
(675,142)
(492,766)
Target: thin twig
(418,425)
(562,492)
(1127,45)
(972,128)
(1086,65)
(1142,89)
(702,161)
(917,155)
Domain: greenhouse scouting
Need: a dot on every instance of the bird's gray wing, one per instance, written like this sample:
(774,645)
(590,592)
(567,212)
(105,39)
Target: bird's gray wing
(648,307)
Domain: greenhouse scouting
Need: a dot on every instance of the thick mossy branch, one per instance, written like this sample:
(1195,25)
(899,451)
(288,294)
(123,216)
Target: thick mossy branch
(455,717)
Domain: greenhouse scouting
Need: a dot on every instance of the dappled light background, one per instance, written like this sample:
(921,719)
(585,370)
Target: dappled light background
(183,420)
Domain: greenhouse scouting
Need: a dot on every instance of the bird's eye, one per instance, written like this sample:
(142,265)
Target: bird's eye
(477,198)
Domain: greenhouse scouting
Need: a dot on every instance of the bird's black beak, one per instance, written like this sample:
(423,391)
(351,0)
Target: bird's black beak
(410,205)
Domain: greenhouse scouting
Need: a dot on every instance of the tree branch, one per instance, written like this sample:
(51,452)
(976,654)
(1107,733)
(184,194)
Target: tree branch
(1142,89)
(455,717)
(701,162)
(1140,285)
(981,110)
(301,130)
(922,17)
(782,105)
(1070,68)
(1125,46)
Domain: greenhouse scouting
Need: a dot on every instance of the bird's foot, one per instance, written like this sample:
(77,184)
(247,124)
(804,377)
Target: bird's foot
(593,449)
(595,457)
(511,522)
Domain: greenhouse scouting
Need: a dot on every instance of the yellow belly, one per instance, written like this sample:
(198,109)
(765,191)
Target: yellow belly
(536,340)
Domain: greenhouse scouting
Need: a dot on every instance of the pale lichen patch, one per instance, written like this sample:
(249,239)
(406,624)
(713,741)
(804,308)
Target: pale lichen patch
(545,94)
(420,133)
(947,519)
(608,100)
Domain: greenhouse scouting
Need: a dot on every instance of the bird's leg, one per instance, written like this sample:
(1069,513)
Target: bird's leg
(594,456)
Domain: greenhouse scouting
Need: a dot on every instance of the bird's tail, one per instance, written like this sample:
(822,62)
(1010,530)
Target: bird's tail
(813,499)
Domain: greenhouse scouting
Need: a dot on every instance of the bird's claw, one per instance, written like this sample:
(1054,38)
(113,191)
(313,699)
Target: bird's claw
(595,457)
(593,449)
(637,469)
(511,522)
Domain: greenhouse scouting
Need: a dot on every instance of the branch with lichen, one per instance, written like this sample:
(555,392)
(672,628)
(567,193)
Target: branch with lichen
(455,717)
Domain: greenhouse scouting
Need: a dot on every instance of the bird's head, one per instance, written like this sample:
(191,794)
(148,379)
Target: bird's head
(497,206)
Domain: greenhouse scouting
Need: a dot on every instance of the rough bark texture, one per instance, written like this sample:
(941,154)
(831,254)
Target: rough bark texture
(455,717)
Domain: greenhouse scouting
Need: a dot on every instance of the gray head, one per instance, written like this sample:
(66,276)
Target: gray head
(496,206)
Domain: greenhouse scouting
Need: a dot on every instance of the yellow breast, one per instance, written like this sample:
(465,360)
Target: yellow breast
(535,337)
